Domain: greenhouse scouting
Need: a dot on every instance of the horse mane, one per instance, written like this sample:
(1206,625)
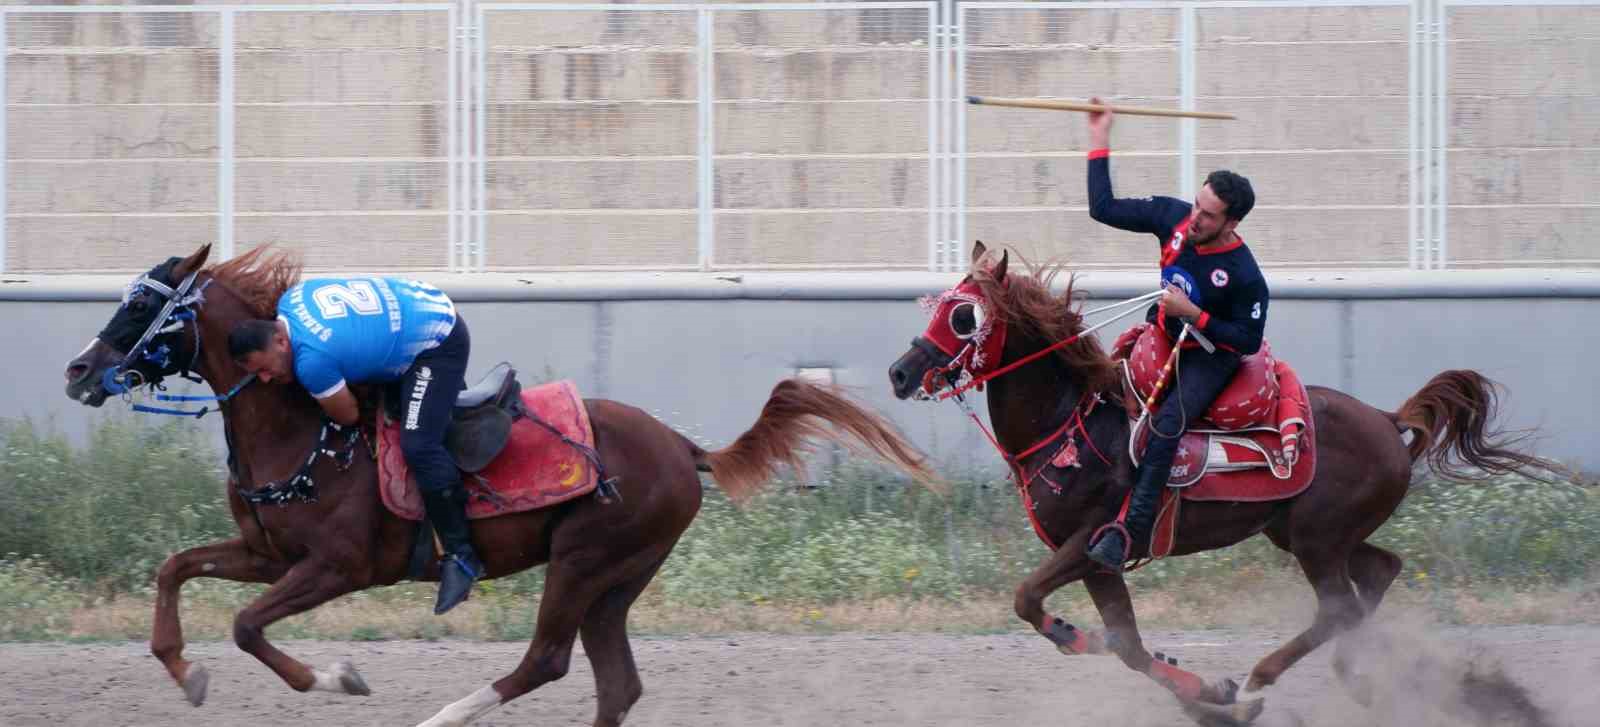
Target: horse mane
(259,277)
(1025,302)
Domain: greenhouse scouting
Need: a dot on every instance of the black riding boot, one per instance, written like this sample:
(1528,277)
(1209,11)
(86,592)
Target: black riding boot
(460,566)
(1112,551)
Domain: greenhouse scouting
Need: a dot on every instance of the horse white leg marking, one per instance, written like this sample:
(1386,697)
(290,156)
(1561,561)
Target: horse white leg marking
(466,710)
(341,678)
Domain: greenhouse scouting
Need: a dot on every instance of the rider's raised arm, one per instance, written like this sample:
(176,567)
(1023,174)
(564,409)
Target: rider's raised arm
(1154,215)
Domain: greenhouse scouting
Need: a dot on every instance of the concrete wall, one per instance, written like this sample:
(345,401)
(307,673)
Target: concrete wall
(822,128)
(702,351)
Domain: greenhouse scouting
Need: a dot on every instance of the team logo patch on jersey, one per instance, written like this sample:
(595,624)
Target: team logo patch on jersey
(1219,277)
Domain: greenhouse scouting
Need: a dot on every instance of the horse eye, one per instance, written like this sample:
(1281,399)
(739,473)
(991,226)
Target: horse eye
(964,320)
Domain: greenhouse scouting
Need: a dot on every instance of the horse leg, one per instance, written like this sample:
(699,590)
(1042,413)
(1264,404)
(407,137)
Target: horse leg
(1372,569)
(605,639)
(229,560)
(1068,563)
(1338,609)
(1111,599)
(308,584)
(573,584)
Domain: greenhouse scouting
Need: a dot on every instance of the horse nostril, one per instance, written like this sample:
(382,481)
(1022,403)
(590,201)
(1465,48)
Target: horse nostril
(76,372)
(897,376)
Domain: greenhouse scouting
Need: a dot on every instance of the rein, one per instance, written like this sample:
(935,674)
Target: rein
(978,381)
(182,306)
(1067,434)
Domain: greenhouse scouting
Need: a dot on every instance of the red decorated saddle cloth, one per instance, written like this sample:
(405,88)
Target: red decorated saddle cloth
(1256,443)
(535,469)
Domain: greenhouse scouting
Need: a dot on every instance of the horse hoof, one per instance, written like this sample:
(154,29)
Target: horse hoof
(1238,714)
(1227,691)
(351,679)
(1256,683)
(195,683)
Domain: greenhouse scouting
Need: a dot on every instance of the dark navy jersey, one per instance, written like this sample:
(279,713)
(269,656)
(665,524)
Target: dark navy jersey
(1225,283)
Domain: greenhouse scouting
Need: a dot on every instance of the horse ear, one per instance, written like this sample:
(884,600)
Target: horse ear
(193,262)
(999,271)
(978,251)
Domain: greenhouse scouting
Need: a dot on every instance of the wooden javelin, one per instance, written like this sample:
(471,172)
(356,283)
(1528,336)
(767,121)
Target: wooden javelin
(1039,103)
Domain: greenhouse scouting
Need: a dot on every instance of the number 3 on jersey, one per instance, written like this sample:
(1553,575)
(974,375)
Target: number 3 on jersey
(336,301)
(1255,311)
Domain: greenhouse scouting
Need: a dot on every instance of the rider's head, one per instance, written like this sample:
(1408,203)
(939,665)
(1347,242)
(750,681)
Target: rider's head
(262,348)
(1224,200)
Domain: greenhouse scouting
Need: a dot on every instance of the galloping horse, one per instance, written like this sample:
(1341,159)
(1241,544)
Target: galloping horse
(601,553)
(1362,474)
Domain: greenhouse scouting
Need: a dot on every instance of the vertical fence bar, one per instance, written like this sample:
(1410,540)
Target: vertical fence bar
(706,148)
(468,229)
(1186,83)
(1441,127)
(461,121)
(225,133)
(948,143)
(481,116)
(933,135)
(452,133)
(1413,106)
(1426,115)
(5,100)
(960,101)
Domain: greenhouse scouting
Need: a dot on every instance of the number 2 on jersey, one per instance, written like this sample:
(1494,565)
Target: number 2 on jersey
(337,300)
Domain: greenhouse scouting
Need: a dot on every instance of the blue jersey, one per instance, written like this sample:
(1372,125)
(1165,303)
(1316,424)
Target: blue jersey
(360,330)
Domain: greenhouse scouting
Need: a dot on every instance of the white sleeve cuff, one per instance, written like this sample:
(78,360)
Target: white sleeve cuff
(336,388)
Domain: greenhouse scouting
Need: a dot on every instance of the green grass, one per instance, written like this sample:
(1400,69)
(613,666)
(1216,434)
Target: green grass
(84,529)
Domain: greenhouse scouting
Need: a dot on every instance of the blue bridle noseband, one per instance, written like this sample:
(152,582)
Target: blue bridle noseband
(182,307)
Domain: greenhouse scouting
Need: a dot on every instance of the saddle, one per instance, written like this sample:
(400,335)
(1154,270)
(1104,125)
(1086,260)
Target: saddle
(1256,442)
(480,424)
(1255,423)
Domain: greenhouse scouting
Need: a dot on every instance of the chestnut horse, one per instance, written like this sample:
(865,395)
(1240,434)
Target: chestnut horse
(1362,475)
(600,554)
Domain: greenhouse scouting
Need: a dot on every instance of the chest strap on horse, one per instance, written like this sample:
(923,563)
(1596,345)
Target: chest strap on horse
(301,485)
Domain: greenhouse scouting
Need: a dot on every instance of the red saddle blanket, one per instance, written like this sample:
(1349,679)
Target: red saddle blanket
(1255,465)
(536,469)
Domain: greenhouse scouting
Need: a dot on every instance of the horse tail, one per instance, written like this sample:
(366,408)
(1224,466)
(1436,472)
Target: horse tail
(1450,418)
(796,412)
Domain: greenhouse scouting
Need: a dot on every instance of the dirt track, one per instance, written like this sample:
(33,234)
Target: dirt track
(748,680)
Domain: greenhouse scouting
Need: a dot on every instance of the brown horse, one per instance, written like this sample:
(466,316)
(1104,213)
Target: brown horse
(176,318)
(1362,475)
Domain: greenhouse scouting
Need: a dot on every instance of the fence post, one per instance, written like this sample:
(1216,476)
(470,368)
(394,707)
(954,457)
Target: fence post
(225,132)
(1441,126)
(934,56)
(5,45)
(1186,78)
(706,146)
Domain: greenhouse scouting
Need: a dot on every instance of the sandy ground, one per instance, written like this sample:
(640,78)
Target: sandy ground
(856,679)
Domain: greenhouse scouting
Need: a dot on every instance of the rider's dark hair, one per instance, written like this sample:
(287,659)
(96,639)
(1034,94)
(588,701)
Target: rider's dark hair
(250,336)
(1234,191)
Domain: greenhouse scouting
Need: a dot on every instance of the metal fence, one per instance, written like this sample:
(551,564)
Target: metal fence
(504,136)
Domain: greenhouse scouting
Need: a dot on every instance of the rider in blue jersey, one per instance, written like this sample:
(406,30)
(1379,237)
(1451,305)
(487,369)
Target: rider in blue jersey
(333,332)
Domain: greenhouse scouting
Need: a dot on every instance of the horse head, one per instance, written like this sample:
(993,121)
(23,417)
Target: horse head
(153,333)
(964,337)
